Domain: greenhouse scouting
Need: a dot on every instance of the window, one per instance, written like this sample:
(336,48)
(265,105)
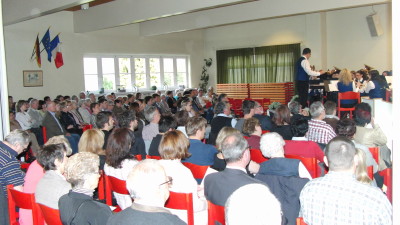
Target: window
(130,72)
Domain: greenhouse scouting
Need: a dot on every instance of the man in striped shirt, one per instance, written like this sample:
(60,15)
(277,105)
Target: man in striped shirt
(10,173)
(318,130)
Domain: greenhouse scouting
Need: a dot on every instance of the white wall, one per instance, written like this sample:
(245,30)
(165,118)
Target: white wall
(68,80)
(337,38)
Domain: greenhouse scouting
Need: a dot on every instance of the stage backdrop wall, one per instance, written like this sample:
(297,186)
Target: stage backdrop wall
(337,38)
(69,80)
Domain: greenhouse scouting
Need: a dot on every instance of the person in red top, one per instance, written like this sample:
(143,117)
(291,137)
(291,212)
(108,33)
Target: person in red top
(300,146)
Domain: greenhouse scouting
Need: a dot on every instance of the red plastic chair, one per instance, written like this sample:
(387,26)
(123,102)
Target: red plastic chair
(257,156)
(24,201)
(370,171)
(216,213)
(101,186)
(114,185)
(349,95)
(197,170)
(181,201)
(153,157)
(265,131)
(51,216)
(138,157)
(87,127)
(25,166)
(44,134)
(387,180)
(310,163)
(300,221)
(375,153)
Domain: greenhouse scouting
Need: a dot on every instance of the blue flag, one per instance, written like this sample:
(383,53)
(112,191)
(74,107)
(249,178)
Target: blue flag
(53,45)
(46,43)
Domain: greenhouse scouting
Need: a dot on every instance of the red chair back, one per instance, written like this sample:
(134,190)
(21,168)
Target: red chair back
(153,157)
(309,163)
(370,171)
(216,213)
(265,131)
(387,180)
(114,185)
(101,187)
(257,156)
(181,201)
(300,221)
(197,170)
(375,153)
(25,166)
(24,201)
(138,157)
(87,127)
(51,216)
(349,95)
(44,134)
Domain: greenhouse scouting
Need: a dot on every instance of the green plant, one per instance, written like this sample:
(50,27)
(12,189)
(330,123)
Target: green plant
(153,87)
(273,106)
(205,76)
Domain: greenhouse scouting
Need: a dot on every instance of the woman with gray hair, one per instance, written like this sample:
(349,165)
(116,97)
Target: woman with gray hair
(84,110)
(271,145)
(78,206)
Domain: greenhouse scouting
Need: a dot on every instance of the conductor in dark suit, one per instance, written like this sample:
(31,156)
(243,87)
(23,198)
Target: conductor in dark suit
(219,186)
(54,127)
(303,70)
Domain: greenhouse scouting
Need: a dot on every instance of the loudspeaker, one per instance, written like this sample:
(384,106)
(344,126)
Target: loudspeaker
(374,25)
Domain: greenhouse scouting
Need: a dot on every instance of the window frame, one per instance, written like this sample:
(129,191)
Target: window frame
(133,72)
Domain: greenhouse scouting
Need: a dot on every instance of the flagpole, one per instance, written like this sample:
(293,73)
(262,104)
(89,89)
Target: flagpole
(34,47)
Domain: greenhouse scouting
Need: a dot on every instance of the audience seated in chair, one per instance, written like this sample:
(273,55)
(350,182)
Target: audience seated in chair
(330,114)
(299,145)
(148,185)
(370,134)
(265,121)
(271,145)
(281,122)
(167,123)
(252,128)
(78,206)
(14,144)
(52,185)
(93,141)
(318,130)
(67,119)
(248,107)
(84,110)
(95,109)
(128,119)
(297,112)
(35,172)
(105,122)
(201,154)
(173,148)
(253,204)
(218,187)
(118,160)
(54,127)
(151,130)
(338,196)
(223,119)
(181,118)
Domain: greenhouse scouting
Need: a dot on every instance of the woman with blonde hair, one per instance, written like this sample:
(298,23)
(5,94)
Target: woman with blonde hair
(346,84)
(219,161)
(173,148)
(92,141)
(361,170)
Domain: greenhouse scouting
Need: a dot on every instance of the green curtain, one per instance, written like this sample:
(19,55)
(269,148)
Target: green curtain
(268,64)
(234,66)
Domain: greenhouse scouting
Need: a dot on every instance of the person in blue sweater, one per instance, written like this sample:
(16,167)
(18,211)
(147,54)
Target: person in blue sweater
(346,84)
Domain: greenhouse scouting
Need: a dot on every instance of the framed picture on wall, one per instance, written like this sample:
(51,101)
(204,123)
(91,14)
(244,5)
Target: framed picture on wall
(33,78)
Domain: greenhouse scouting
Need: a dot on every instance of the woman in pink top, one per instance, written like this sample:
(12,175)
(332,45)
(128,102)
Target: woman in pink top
(34,174)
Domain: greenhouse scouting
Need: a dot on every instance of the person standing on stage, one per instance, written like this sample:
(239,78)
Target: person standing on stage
(303,70)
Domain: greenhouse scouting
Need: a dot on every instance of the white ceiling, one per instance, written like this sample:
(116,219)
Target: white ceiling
(160,16)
